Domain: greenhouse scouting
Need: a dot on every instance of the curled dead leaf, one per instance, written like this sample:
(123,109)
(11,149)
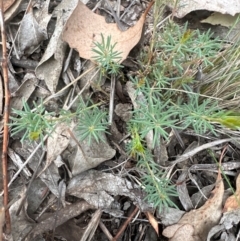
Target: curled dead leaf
(201,220)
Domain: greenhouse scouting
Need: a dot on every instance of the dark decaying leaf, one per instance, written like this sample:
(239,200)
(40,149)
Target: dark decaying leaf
(63,216)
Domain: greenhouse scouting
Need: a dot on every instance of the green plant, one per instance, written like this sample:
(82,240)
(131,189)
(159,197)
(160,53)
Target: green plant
(34,124)
(107,58)
(92,124)
(151,115)
(37,122)
(171,98)
(157,186)
(154,115)
(198,115)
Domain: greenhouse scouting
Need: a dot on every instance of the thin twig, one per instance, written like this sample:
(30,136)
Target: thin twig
(27,161)
(112,94)
(121,230)
(6,119)
(191,153)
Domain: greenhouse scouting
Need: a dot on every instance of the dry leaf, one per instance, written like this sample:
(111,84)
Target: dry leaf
(153,221)
(63,216)
(18,162)
(228,223)
(233,202)
(11,8)
(201,220)
(82,156)
(20,224)
(221,19)
(186,6)
(50,66)
(30,35)
(98,189)
(7,4)
(84,28)
(24,91)
(57,142)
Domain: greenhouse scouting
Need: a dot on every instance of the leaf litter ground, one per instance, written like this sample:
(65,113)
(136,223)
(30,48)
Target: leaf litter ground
(72,190)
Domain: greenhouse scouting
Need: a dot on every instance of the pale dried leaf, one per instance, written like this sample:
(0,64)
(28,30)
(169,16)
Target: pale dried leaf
(228,221)
(223,6)
(85,27)
(180,233)
(24,91)
(170,216)
(18,162)
(97,188)
(82,156)
(233,202)
(221,19)
(42,15)
(50,66)
(202,219)
(57,142)
(7,4)
(31,34)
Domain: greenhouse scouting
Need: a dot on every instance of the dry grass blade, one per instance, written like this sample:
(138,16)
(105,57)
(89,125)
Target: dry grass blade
(222,79)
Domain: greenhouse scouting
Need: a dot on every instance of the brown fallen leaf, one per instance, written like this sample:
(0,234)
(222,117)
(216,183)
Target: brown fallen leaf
(196,224)
(233,202)
(7,4)
(84,28)
(11,8)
